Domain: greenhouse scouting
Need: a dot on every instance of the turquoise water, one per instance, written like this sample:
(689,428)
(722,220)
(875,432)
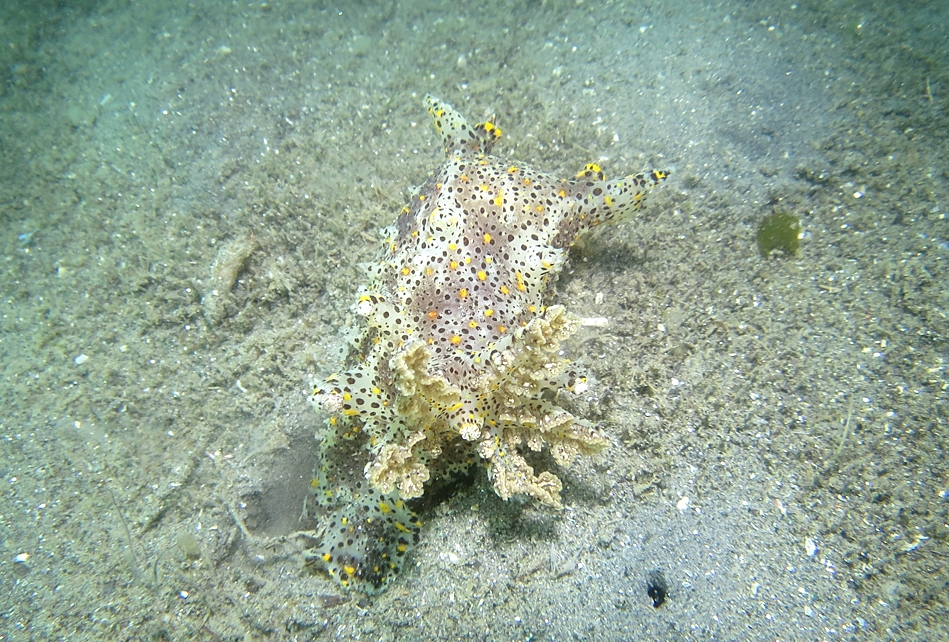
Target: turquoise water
(187,191)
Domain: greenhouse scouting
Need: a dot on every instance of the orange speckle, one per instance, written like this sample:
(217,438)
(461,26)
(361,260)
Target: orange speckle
(429,271)
(562,193)
(512,169)
(527,181)
(502,329)
(433,314)
(464,178)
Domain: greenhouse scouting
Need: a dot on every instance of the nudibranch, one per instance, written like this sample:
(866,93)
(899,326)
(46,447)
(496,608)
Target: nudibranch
(456,356)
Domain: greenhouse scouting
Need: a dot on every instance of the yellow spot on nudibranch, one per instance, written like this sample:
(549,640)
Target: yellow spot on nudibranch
(505,289)
(453,265)
(488,312)
(463,293)
(482,275)
(406,271)
(455,339)
(487,238)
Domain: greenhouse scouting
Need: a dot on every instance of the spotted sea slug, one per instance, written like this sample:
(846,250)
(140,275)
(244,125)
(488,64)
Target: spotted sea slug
(456,356)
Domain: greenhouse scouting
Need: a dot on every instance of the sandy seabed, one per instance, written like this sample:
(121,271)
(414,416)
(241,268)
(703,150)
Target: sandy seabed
(186,192)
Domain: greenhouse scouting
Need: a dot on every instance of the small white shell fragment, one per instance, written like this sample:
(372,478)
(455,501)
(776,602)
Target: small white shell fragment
(22,558)
(683,504)
(810,547)
(81,359)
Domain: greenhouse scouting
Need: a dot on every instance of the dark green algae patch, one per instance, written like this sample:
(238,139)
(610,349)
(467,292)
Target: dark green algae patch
(779,231)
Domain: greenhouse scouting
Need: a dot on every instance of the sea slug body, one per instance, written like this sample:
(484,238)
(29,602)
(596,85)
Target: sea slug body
(456,359)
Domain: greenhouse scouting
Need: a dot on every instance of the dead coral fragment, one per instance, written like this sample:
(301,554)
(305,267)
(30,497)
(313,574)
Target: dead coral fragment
(227,265)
